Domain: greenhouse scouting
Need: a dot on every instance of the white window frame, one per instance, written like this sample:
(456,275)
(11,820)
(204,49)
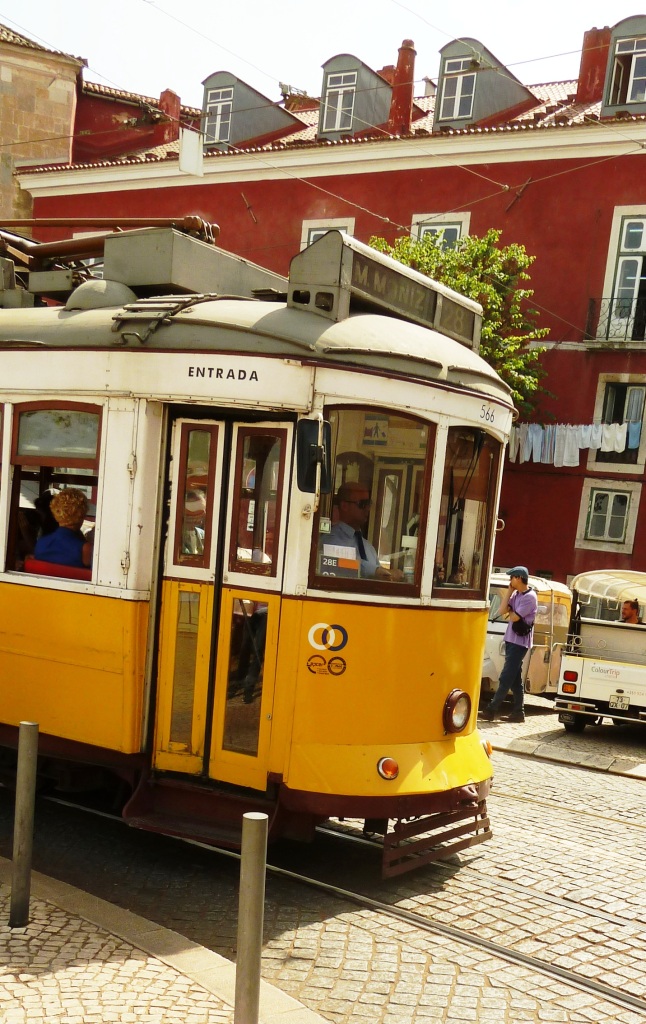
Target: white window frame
(633,489)
(632,469)
(218,114)
(618,251)
(313,229)
(434,223)
(632,48)
(339,84)
(460,70)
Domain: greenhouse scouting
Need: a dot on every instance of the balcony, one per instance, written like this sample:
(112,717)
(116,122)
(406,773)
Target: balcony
(616,321)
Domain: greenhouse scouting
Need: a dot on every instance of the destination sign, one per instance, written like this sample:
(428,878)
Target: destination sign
(401,294)
(336,268)
(409,298)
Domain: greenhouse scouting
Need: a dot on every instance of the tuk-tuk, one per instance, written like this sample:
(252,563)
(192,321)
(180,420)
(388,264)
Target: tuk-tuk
(541,668)
(603,666)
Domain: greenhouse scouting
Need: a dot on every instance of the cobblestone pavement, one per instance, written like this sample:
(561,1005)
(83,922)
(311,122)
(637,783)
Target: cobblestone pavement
(67,967)
(611,748)
(559,833)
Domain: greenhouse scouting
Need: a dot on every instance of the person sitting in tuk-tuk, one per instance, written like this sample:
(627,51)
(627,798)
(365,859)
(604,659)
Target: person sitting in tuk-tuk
(630,613)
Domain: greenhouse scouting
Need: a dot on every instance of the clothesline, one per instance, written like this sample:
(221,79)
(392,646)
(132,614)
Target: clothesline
(560,444)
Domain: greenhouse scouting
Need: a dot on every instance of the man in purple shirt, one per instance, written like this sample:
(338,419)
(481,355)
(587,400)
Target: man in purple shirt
(521,604)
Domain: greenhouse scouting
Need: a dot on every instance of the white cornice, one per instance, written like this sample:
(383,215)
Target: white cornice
(504,146)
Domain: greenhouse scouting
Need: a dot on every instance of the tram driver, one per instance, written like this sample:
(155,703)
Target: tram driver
(353,504)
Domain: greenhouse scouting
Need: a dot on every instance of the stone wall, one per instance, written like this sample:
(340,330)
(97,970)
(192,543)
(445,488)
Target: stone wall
(37,106)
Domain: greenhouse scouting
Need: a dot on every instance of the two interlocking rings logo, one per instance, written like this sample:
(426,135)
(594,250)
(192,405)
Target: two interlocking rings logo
(323,637)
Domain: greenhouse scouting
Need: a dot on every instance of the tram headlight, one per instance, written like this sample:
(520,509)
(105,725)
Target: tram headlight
(388,768)
(456,712)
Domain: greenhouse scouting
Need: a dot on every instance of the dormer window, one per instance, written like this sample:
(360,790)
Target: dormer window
(458,89)
(629,72)
(339,101)
(219,104)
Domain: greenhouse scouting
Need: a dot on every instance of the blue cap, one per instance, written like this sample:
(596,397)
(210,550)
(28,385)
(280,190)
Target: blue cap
(520,571)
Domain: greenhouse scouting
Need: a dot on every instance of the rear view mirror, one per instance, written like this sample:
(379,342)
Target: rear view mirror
(313,444)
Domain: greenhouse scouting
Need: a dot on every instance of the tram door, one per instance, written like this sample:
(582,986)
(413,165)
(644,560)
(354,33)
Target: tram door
(220,599)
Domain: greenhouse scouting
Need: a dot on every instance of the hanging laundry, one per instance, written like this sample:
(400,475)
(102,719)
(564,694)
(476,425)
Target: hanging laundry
(549,436)
(620,438)
(559,443)
(525,443)
(608,436)
(536,440)
(634,434)
(584,435)
(514,443)
(596,436)
(571,450)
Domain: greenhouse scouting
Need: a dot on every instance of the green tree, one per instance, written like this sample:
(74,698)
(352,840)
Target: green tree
(494,276)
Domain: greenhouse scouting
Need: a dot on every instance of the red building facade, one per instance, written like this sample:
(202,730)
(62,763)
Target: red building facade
(557,167)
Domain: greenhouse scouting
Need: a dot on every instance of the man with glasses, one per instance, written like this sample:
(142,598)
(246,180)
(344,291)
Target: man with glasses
(353,504)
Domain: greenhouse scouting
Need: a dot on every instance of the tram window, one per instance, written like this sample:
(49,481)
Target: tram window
(245,676)
(194,516)
(369,525)
(464,534)
(55,446)
(257,490)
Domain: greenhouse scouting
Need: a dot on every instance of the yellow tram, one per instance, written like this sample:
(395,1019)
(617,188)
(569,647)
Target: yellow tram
(292,489)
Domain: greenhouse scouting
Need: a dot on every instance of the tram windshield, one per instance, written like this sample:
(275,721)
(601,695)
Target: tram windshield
(464,533)
(370,524)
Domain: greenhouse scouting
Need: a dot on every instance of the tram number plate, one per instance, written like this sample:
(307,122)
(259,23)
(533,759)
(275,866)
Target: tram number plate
(619,702)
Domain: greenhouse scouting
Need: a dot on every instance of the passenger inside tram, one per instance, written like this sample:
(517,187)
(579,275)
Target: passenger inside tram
(34,523)
(67,545)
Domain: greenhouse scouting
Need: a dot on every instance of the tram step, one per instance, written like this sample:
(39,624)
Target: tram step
(178,808)
(188,828)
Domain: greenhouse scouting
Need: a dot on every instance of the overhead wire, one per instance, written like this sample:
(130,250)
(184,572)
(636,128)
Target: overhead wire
(501,187)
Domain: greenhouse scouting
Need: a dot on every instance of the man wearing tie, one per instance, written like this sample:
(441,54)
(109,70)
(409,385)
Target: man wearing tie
(353,503)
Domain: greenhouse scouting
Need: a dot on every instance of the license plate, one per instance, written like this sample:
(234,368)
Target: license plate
(619,702)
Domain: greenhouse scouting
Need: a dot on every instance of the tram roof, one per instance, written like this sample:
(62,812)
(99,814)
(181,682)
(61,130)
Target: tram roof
(252,327)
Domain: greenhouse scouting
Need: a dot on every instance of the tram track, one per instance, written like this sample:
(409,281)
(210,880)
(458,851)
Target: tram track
(493,882)
(575,980)
(454,933)
(635,925)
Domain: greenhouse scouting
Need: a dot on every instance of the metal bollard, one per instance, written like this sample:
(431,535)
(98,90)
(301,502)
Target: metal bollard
(251,909)
(23,824)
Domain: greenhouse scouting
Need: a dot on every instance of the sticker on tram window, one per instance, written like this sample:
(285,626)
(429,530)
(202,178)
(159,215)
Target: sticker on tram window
(487,412)
(331,566)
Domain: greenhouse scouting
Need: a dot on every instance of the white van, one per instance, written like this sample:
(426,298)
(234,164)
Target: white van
(541,668)
(603,665)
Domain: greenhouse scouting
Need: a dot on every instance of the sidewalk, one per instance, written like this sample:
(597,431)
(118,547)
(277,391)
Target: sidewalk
(618,750)
(81,960)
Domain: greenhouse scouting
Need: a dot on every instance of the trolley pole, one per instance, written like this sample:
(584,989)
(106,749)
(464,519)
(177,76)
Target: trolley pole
(251,909)
(23,825)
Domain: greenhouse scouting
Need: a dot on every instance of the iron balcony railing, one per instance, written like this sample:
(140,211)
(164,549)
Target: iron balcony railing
(618,320)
